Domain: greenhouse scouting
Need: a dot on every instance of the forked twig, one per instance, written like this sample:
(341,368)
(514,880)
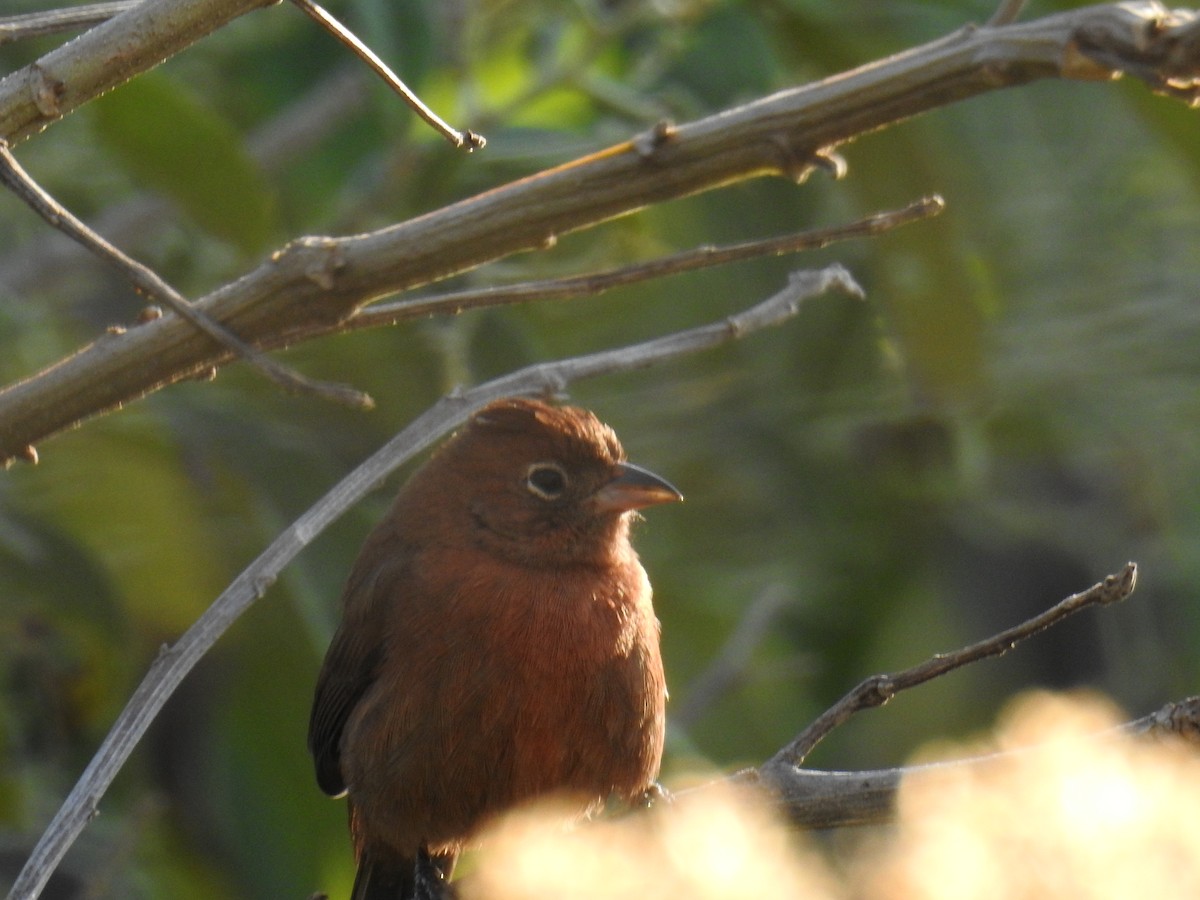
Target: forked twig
(147,282)
(879,689)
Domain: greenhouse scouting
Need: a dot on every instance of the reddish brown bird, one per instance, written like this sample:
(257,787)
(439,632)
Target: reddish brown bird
(497,644)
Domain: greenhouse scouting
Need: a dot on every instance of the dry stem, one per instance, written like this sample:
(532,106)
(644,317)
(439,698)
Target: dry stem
(314,285)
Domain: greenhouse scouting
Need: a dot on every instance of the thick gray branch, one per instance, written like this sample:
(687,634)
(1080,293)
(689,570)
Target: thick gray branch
(108,55)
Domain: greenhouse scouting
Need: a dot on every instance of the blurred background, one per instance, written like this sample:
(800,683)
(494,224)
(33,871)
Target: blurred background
(1011,414)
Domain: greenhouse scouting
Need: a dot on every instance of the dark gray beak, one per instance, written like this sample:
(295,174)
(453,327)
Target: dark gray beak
(633,487)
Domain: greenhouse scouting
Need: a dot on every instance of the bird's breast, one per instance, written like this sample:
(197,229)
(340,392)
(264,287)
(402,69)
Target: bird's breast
(540,681)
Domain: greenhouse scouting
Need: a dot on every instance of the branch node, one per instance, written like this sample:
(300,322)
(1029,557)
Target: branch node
(1161,47)
(262,583)
(1120,585)
(648,143)
(45,91)
(324,265)
(830,161)
(149,313)
(878,690)
(796,164)
(472,141)
(548,380)
(1180,719)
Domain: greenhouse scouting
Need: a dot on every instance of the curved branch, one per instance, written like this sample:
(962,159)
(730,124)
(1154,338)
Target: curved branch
(312,285)
(174,662)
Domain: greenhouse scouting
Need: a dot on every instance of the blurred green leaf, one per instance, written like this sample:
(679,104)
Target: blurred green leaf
(122,491)
(169,139)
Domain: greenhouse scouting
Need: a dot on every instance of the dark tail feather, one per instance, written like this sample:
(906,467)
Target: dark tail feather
(423,878)
(379,880)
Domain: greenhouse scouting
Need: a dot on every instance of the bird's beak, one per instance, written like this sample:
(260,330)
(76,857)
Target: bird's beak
(633,487)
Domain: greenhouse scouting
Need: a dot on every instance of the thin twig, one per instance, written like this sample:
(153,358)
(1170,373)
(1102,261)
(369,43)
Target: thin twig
(174,662)
(1006,13)
(147,282)
(53,21)
(879,689)
(348,39)
(595,283)
(817,799)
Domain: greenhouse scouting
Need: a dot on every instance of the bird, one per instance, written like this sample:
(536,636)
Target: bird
(497,645)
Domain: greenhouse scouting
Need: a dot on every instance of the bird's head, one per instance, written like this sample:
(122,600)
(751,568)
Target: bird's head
(540,484)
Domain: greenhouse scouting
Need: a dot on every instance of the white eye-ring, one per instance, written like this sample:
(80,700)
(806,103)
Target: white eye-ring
(546,480)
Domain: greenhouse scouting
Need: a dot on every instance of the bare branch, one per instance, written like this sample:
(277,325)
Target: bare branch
(147,282)
(824,799)
(53,21)
(818,799)
(348,39)
(878,690)
(316,284)
(596,283)
(1180,719)
(103,57)
(176,661)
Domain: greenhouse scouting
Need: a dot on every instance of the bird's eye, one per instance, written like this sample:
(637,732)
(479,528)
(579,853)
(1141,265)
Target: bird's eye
(546,480)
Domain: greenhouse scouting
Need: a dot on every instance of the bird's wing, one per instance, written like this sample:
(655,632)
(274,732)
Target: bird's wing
(350,667)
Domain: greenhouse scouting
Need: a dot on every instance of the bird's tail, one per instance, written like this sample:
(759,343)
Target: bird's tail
(379,880)
(403,878)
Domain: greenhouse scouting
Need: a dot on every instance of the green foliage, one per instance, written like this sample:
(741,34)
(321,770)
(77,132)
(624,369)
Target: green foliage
(1009,416)
(170,140)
